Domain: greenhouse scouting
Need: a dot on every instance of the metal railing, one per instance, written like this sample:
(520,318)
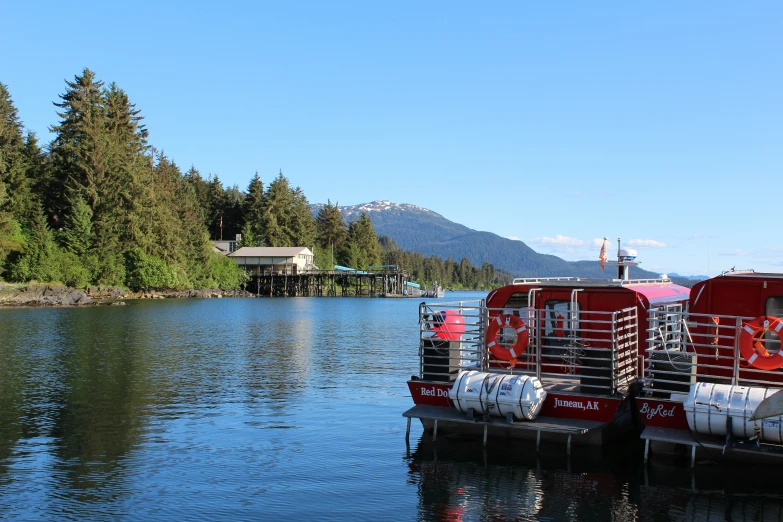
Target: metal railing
(600,349)
(685,348)
(441,359)
(535,280)
(656,281)
(596,352)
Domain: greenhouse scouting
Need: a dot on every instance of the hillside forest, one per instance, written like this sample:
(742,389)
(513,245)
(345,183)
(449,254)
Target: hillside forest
(100,205)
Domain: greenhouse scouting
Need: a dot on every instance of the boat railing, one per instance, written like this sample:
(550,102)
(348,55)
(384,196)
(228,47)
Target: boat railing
(535,280)
(655,281)
(685,348)
(738,271)
(442,356)
(594,353)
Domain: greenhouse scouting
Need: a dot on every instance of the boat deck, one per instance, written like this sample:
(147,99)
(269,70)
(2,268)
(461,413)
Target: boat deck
(706,442)
(559,383)
(568,427)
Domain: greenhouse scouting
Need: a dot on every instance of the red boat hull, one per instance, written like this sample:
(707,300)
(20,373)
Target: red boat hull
(564,406)
(661,414)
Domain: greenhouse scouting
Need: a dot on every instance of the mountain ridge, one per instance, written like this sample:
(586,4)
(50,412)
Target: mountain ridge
(418,229)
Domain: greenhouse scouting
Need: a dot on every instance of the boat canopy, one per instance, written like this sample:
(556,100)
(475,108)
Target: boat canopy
(661,294)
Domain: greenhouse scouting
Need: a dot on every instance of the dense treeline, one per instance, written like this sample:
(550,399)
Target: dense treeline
(448,273)
(99,205)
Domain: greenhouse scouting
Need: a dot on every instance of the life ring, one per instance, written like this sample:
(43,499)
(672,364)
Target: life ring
(503,351)
(751,347)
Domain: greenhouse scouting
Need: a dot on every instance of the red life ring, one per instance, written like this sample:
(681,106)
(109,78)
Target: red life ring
(501,351)
(751,347)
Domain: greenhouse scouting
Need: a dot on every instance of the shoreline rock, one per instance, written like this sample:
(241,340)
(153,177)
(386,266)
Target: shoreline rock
(41,294)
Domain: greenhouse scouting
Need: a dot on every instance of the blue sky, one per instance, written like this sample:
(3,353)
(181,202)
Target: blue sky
(660,123)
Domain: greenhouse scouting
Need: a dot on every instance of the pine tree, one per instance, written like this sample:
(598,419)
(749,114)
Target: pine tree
(80,149)
(129,168)
(277,213)
(248,236)
(40,259)
(169,243)
(363,247)
(215,207)
(76,236)
(303,227)
(253,211)
(29,193)
(13,181)
(197,250)
(331,235)
(200,191)
(11,238)
(11,136)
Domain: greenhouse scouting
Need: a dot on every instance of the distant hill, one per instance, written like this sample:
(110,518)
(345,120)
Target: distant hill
(421,230)
(694,278)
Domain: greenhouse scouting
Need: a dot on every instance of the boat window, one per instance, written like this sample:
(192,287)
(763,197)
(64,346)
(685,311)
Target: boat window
(561,320)
(774,308)
(517,300)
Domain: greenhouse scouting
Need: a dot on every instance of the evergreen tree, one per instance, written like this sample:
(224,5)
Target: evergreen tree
(276,221)
(363,247)
(200,191)
(216,202)
(80,149)
(331,235)
(125,194)
(197,250)
(253,211)
(76,236)
(233,202)
(303,226)
(12,165)
(12,175)
(29,193)
(11,238)
(248,236)
(40,259)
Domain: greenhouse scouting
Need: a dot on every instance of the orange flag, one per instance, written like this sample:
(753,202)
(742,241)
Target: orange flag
(602,256)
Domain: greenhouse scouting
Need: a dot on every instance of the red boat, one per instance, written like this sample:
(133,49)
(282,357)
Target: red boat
(544,358)
(712,370)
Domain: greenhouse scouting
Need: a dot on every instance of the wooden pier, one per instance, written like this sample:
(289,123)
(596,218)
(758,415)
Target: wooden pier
(329,283)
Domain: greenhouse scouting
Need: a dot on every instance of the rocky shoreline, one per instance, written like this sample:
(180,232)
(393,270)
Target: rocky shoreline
(41,294)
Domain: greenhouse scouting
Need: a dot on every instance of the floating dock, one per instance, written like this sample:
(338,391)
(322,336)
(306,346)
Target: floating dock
(669,439)
(567,428)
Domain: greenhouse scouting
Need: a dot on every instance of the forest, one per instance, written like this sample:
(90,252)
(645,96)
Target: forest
(100,205)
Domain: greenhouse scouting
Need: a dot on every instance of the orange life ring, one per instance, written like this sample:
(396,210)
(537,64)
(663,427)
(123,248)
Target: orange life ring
(751,347)
(502,351)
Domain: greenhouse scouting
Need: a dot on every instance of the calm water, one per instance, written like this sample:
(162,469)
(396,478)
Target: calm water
(258,409)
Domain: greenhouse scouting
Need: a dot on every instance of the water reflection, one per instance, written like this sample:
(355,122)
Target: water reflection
(139,409)
(271,408)
(458,480)
(670,491)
